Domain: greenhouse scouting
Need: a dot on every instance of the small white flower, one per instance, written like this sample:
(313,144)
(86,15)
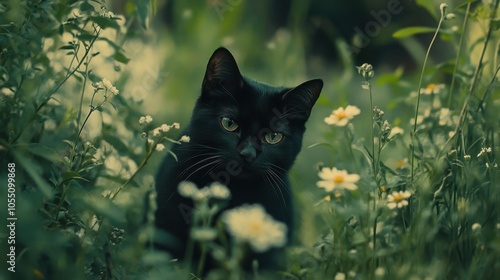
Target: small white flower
(251,224)
(432,89)
(157,131)
(398,199)
(379,272)
(176,125)
(109,14)
(50,125)
(484,151)
(342,116)
(160,147)
(446,118)
(476,227)
(7,92)
(332,178)
(145,119)
(165,127)
(395,131)
(187,189)
(449,16)
(366,71)
(467,157)
(185,139)
(150,141)
(219,191)
(202,194)
(339,276)
(107,84)
(98,85)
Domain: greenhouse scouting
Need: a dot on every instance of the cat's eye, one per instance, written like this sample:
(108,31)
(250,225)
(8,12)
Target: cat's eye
(228,124)
(273,137)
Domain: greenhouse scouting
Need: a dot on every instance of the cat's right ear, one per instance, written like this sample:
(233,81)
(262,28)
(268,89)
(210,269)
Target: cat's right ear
(222,72)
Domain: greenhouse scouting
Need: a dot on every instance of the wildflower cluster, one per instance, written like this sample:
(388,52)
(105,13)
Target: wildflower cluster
(106,85)
(215,190)
(159,133)
(246,224)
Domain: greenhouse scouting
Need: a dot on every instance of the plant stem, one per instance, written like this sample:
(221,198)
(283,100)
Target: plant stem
(372,133)
(150,153)
(418,98)
(459,53)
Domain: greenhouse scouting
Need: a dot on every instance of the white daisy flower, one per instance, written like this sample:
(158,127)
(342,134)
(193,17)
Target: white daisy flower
(398,199)
(342,116)
(251,224)
(332,178)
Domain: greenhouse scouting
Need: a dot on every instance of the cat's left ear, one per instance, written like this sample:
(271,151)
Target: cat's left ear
(300,100)
(222,72)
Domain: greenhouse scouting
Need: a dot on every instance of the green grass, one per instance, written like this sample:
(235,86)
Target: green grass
(84,168)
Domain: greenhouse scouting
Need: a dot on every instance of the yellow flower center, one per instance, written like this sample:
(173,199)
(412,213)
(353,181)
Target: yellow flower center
(255,228)
(341,115)
(431,86)
(338,179)
(400,163)
(398,197)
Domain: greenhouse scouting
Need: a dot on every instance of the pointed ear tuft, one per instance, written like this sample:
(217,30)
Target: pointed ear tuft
(222,71)
(300,100)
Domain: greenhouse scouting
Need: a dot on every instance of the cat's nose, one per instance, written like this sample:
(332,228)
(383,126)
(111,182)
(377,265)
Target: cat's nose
(248,152)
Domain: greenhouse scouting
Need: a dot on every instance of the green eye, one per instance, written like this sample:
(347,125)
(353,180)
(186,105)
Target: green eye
(228,124)
(273,137)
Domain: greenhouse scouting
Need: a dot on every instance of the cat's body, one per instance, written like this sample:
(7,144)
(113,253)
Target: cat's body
(245,135)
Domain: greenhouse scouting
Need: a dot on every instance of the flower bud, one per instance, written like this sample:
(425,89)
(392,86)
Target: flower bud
(449,16)
(443,7)
(366,71)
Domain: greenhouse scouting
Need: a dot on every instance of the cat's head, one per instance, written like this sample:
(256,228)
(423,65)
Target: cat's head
(244,127)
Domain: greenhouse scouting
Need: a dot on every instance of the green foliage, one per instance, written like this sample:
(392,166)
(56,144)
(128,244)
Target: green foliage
(426,200)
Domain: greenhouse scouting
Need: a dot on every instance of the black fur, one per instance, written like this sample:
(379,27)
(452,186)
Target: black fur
(253,170)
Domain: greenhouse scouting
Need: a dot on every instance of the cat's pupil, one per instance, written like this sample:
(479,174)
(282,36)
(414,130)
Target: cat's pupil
(228,124)
(273,137)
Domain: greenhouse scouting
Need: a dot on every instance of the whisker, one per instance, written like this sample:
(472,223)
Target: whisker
(198,163)
(279,196)
(278,178)
(203,166)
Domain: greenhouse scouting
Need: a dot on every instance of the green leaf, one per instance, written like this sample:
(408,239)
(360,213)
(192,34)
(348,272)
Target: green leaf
(73,175)
(429,6)
(115,141)
(43,151)
(111,43)
(105,22)
(465,3)
(87,7)
(495,24)
(410,31)
(31,169)
(120,57)
(85,36)
(143,12)
(67,47)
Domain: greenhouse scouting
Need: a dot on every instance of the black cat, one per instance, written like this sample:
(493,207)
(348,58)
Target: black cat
(245,135)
